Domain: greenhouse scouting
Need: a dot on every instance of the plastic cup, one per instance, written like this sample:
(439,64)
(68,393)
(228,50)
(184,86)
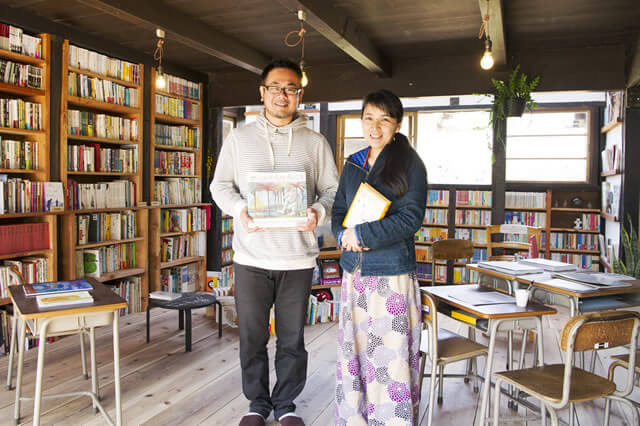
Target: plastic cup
(522,297)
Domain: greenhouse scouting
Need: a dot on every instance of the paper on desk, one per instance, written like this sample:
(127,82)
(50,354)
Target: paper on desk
(480,299)
(570,285)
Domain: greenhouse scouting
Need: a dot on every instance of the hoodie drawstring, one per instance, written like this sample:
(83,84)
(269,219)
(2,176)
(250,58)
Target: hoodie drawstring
(289,144)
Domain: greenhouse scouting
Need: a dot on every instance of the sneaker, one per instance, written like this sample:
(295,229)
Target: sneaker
(252,419)
(290,419)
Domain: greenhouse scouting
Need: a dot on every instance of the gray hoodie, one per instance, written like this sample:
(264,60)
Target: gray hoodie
(263,147)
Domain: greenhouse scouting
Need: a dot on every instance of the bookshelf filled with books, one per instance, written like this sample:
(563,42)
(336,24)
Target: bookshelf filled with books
(179,219)
(226,251)
(434,227)
(472,215)
(612,157)
(105,226)
(573,228)
(28,200)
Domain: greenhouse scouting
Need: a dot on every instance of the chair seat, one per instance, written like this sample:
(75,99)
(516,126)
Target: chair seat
(452,346)
(623,360)
(546,382)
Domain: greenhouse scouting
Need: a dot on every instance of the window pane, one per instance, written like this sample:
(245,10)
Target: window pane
(455,146)
(548,123)
(352,128)
(544,170)
(548,147)
(353,145)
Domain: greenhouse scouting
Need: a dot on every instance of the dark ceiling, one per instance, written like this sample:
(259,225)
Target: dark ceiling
(415,47)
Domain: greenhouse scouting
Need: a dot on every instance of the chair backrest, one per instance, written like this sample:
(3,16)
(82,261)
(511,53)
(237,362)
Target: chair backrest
(502,250)
(601,330)
(430,321)
(450,250)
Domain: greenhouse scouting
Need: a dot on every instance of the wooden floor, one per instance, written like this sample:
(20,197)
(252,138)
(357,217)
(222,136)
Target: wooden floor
(163,385)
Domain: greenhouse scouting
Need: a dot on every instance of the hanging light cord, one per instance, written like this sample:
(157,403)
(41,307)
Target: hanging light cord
(300,33)
(157,55)
(484,27)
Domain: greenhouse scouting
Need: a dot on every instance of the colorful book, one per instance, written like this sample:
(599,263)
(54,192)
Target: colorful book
(277,199)
(62,299)
(56,287)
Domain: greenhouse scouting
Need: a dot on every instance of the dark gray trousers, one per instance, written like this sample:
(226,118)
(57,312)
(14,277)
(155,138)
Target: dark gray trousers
(256,290)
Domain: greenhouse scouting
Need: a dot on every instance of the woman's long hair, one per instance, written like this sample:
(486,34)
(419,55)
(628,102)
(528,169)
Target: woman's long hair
(394,172)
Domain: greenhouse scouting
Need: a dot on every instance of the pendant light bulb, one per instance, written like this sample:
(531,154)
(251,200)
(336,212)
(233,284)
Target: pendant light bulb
(305,79)
(486,63)
(161,80)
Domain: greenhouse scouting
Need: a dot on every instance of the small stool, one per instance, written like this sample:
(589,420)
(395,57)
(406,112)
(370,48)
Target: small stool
(184,304)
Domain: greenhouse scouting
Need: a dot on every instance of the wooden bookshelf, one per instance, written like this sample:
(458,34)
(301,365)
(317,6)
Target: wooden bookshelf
(40,137)
(85,134)
(190,145)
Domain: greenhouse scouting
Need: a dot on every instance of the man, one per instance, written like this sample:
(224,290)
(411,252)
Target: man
(273,267)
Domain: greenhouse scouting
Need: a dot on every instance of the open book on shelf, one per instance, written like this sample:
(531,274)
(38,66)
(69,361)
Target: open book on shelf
(368,205)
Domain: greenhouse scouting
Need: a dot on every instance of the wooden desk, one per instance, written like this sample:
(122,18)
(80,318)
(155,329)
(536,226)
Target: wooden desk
(569,294)
(500,317)
(103,311)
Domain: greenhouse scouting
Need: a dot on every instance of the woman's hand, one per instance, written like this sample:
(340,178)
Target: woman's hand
(349,242)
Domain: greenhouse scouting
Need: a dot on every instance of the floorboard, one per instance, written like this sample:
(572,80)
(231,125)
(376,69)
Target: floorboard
(163,385)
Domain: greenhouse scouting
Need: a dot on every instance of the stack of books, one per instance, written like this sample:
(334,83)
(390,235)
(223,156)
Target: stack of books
(60,293)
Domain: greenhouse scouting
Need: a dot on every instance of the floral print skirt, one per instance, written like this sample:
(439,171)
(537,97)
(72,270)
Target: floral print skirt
(378,350)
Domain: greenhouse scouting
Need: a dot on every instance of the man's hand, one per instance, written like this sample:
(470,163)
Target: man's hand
(247,222)
(312,221)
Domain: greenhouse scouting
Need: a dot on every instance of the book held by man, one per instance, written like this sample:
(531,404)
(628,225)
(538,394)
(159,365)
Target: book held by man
(56,287)
(62,299)
(277,199)
(368,205)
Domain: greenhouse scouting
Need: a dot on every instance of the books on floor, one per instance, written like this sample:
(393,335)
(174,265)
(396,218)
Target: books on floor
(64,299)
(549,265)
(57,287)
(510,268)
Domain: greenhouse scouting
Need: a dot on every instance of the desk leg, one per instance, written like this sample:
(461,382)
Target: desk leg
(42,344)
(94,368)
(540,342)
(12,348)
(486,386)
(187,332)
(181,319)
(21,339)
(83,356)
(116,365)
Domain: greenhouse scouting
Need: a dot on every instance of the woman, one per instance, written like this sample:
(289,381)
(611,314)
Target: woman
(380,320)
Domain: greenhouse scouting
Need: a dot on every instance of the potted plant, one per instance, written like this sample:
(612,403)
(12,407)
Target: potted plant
(631,264)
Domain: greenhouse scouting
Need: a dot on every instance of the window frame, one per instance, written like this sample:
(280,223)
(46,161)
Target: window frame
(593,155)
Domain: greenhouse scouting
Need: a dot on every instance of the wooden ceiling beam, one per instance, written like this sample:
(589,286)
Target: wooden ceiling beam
(342,31)
(496,29)
(185,29)
(634,68)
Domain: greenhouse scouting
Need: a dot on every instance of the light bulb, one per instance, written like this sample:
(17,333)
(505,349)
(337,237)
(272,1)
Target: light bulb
(305,79)
(486,63)
(161,80)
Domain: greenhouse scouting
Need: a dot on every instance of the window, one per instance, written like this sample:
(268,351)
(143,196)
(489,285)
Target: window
(350,138)
(548,146)
(455,146)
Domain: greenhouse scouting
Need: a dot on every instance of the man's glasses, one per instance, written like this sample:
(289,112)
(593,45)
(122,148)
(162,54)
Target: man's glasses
(276,90)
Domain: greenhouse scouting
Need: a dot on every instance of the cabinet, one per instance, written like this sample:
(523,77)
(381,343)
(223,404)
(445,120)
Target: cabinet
(105,226)
(25,166)
(177,251)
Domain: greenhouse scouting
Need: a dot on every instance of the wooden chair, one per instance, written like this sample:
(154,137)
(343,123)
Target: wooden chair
(450,250)
(558,385)
(623,362)
(498,250)
(443,347)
